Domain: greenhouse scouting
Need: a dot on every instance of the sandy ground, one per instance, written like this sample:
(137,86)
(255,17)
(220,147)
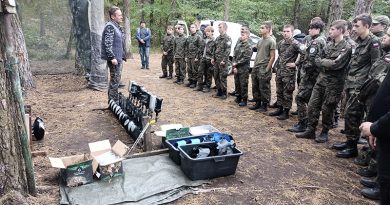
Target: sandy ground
(276,168)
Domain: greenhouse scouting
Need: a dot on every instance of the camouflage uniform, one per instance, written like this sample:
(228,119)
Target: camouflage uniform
(309,75)
(193,54)
(330,83)
(285,77)
(205,71)
(367,52)
(222,50)
(242,58)
(261,76)
(179,51)
(167,60)
(236,80)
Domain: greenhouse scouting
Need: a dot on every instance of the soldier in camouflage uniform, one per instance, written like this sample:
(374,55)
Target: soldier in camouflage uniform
(179,51)
(113,50)
(367,52)
(241,65)
(205,71)
(194,42)
(167,58)
(379,26)
(288,49)
(330,82)
(261,73)
(309,73)
(220,61)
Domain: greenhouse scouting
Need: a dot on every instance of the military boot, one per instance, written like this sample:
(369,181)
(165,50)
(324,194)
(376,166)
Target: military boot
(278,112)
(369,171)
(307,134)
(163,75)
(340,146)
(256,106)
(243,102)
(238,99)
(252,100)
(299,127)
(364,158)
(275,105)
(285,114)
(193,84)
(369,182)
(335,122)
(169,76)
(206,89)
(263,107)
(223,96)
(371,193)
(198,88)
(233,93)
(323,137)
(218,94)
(350,151)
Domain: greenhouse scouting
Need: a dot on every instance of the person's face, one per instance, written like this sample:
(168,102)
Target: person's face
(377,27)
(263,30)
(117,17)
(386,39)
(193,29)
(334,32)
(287,33)
(244,36)
(359,28)
(181,30)
(209,33)
(142,25)
(314,31)
(221,29)
(169,31)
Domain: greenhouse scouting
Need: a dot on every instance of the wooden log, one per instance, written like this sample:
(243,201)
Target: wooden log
(148,143)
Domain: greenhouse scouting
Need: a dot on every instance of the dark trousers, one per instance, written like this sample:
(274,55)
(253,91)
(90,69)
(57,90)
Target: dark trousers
(180,69)
(385,193)
(115,78)
(167,61)
(205,73)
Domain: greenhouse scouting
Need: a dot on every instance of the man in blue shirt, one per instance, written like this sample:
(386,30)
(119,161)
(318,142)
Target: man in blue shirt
(144,36)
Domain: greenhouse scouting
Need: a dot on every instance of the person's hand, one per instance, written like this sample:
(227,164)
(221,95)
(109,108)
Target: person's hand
(235,70)
(222,63)
(195,59)
(114,61)
(290,65)
(165,53)
(372,141)
(365,128)
(212,61)
(186,59)
(142,41)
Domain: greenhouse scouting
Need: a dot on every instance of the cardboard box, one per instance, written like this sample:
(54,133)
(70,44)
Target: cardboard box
(75,170)
(108,158)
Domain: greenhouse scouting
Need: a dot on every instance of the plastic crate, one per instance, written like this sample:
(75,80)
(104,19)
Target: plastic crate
(208,167)
(172,145)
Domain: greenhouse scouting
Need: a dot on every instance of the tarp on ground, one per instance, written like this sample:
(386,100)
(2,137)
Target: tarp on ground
(147,180)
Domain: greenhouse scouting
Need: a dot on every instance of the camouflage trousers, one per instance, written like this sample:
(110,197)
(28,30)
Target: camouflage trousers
(180,68)
(115,78)
(220,76)
(285,86)
(167,61)
(305,90)
(242,77)
(192,69)
(205,73)
(236,83)
(261,85)
(323,99)
(354,113)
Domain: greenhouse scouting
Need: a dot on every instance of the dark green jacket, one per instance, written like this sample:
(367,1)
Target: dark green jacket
(242,54)
(167,44)
(179,46)
(223,45)
(194,43)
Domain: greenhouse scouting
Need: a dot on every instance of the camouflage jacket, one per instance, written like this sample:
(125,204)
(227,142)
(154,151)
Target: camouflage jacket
(167,44)
(288,52)
(208,48)
(242,54)
(333,62)
(194,43)
(223,45)
(367,53)
(314,46)
(179,46)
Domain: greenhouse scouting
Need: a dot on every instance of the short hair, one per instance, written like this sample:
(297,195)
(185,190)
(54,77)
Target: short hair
(340,24)
(317,18)
(112,10)
(209,28)
(142,21)
(224,25)
(289,26)
(246,32)
(366,19)
(318,24)
(170,27)
(267,24)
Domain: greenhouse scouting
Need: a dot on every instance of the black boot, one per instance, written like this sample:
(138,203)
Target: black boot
(364,158)
(275,105)
(218,94)
(169,76)
(323,137)
(285,114)
(224,95)
(238,99)
(294,112)
(307,134)
(370,171)
(335,122)
(199,88)
(278,112)
(340,146)
(263,107)
(256,106)
(299,127)
(243,102)
(163,75)
(233,93)
(369,182)
(350,151)
(371,193)
(252,100)
(193,84)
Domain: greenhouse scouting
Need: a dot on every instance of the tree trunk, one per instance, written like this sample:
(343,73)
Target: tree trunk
(78,65)
(297,11)
(142,3)
(16,170)
(335,11)
(363,6)
(42,29)
(127,27)
(173,6)
(369,6)
(226,10)
(70,42)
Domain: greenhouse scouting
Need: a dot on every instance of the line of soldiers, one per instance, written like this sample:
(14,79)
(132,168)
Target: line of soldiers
(340,72)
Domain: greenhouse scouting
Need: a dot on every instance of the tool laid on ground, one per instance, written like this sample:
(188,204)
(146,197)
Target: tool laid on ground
(141,136)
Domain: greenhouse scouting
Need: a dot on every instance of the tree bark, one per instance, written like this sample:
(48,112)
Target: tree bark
(16,170)
(335,11)
(142,3)
(126,14)
(42,29)
(297,11)
(363,6)
(70,42)
(226,10)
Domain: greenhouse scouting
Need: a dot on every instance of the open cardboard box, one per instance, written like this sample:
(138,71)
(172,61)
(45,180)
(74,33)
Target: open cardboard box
(75,170)
(108,158)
